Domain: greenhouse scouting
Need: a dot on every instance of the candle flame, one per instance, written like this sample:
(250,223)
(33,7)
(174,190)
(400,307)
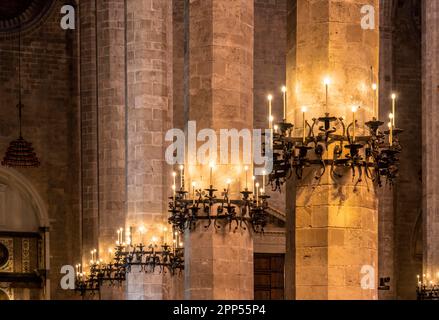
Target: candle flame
(393,96)
(270,97)
(374,86)
(327,81)
(354,109)
(304,109)
(284,89)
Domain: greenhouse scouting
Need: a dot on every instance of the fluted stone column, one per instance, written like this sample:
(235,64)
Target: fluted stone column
(219,263)
(336,221)
(430,137)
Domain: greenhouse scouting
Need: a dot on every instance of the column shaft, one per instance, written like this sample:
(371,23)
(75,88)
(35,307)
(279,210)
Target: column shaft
(219,263)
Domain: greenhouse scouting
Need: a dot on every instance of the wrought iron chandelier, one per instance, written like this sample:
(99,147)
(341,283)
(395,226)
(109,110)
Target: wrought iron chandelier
(330,141)
(148,258)
(427,289)
(20,153)
(248,212)
(371,153)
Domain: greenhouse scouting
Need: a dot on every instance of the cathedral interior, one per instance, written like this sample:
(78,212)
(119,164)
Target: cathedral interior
(93,94)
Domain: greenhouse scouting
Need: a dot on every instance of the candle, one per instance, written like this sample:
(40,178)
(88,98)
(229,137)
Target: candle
(165,235)
(391,134)
(284,91)
(263,181)
(128,235)
(228,190)
(304,110)
(354,110)
(253,185)
(276,128)
(374,101)
(246,177)
(211,172)
(181,177)
(270,99)
(394,109)
(257,192)
(327,82)
(193,192)
(174,175)
(173,192)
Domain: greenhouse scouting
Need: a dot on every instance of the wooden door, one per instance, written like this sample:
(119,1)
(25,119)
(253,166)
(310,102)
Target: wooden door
(269,276)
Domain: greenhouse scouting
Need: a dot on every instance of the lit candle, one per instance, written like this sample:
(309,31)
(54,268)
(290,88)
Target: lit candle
(270,117)
(211,172)
(193,192)
(263,181)
(118,237)
(246,177)
(284,91)
(375,95)
(276,128)
(174,175)
(228,190)
(253,185)
(173,192)
(394,109)
(304,110)
(182,177)
(390,134)
(257,192)
(327,82)
(354,110)
(165,235)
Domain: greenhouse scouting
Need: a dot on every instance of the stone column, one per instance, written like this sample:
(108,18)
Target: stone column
(219,264)
(386,209)
(149,116)
(127,108)
(430,138)
(89,152)
(336,221)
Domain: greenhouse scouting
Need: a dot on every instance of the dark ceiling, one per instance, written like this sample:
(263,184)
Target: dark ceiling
(12,8)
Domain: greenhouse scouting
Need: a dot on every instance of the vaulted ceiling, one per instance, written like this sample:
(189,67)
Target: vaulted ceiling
(13,8)
(14,13)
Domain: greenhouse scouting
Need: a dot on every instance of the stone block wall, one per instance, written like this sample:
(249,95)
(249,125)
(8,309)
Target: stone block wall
(51,123)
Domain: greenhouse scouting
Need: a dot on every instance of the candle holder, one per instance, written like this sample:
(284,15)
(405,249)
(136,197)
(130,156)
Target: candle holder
(149,259)
(427,291)
(323,144)
(247,212)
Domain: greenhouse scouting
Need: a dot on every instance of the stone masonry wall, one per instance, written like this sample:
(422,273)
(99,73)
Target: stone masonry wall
(50,122)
